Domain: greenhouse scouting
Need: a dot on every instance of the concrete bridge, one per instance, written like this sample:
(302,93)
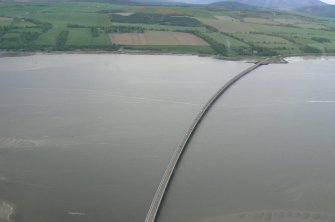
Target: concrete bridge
(161,190)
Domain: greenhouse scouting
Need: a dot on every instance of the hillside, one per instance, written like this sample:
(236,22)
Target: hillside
(279,4)
(230,5)
(326,10)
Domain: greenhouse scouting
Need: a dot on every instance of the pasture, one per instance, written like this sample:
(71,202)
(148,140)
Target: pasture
(229,42)
(229,26)
(5,21)
(157,38)
(262,39)
(83,36)
(49,38)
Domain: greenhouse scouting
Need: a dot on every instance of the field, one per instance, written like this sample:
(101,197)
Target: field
(4,21)
(164,27)
(232,44)
(229,26)
(157,38)
(191,29)
(83,36)
(129,39)
(50,37)
(286,22)
(185,49)
(265,40)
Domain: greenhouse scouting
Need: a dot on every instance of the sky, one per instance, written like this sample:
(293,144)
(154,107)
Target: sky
(329,1)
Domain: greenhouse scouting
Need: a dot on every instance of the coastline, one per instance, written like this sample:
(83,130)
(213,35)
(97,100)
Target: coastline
(274,60)
(4,54)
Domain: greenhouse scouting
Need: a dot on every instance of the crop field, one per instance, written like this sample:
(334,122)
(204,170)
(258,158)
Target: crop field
(83,36)
(266,41)
(262,39)
(62,19)
(227,40)
(228,26)
(50,37)
(11,35)
(324,46)
(290,31)
(128,39)
(191,29)
(260,21)
(162,27)
(157,38)
(197,12)
(299,23)
(4,21)
(226,18)
(23,24)
(185,49)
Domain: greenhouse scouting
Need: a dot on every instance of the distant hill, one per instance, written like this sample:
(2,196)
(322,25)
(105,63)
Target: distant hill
(326,10)
(230,5)
(279,4)
(108,1)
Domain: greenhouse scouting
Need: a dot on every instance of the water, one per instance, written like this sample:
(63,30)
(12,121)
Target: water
(265,152)
(88,137)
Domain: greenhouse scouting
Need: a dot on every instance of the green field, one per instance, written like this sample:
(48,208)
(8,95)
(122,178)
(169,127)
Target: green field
(178,49)
(10,35)
(50,37)
(265,40)
(4,21)
(227,40)
(78,25)
(62,19)
(82,36)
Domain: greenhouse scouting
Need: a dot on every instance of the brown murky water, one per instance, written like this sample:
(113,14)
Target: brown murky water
(88,137)
(266,151)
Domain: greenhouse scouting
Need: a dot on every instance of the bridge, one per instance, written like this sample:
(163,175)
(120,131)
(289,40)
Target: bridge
(166,179)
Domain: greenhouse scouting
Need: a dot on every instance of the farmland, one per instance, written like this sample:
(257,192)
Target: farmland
(228,26)
(157,38)
(180,29)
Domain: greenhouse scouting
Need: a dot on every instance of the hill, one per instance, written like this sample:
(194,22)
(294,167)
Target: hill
(326,10)
(280,4)
(230,5)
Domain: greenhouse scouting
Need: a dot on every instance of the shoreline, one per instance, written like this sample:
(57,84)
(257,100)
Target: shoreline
(274,60)
(123,52)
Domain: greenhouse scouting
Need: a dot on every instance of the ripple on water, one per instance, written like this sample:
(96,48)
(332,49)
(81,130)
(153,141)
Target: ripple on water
(6,211)
(19,142)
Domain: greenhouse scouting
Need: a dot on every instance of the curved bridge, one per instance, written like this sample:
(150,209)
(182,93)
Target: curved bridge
(159,195)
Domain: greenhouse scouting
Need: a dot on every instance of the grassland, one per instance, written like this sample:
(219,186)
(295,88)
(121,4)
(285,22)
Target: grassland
(228,26)
(155,38)
(83,36)
(234,33)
